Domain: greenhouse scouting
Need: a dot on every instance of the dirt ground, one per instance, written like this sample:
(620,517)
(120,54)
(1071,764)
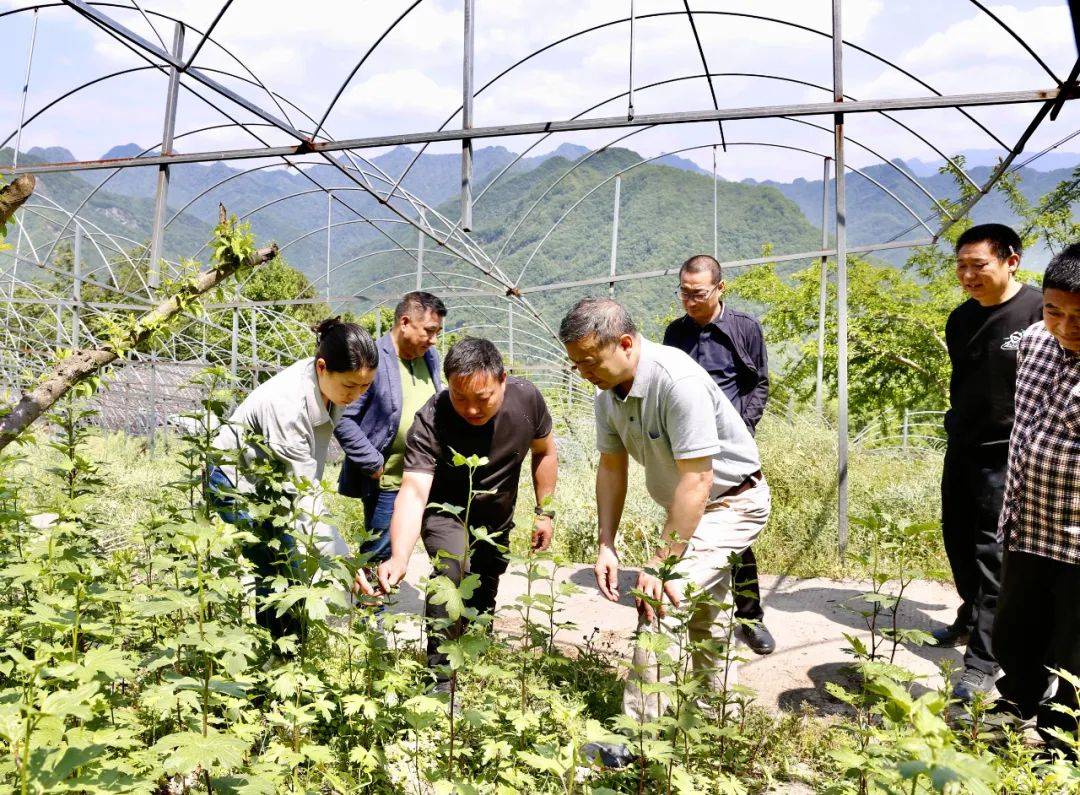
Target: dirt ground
(808,618)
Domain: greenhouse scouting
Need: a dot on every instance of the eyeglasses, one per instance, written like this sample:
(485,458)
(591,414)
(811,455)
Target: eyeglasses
(697,295)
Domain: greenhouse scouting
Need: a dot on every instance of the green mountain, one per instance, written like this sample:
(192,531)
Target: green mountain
(875,216)
(113,223)
(665,216)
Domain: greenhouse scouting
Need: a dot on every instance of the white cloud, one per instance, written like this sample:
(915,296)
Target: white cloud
(406,91)
(412,81)
(976,40)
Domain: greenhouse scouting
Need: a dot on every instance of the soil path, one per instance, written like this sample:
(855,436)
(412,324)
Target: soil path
(808,618)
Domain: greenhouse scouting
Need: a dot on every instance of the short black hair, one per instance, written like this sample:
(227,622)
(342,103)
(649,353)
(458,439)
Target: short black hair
(1063,272)
(345,347)
(419,300)
(703,263)
(1002,239)
(473,355)
(605,318)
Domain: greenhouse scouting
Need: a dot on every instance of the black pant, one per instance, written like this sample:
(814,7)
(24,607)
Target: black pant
(746,588)
(972,488)
(269,563)
(445,535)
(1038,628)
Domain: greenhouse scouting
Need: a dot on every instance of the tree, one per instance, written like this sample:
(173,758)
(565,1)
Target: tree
(896,317)
(897,357)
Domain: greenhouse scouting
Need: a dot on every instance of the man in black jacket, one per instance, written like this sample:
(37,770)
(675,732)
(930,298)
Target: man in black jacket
(730,345)
(372,431)
(982,335)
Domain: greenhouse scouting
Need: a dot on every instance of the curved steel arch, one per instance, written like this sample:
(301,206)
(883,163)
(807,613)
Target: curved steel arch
(593,152)
(169,17)
(658,14)
(245,126)
(635,131)
(592,190)
(544,137)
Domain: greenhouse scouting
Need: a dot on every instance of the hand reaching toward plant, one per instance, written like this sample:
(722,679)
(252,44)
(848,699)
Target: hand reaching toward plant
(361,584)
(542,533)
(655,589)
(607,572)
(390,573)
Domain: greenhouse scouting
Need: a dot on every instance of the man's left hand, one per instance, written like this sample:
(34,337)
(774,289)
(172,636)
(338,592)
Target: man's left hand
(656,589)
(542,533)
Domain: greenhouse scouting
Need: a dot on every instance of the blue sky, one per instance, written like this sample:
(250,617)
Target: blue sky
(412,81)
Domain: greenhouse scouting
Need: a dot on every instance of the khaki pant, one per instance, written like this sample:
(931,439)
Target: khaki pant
(731,527)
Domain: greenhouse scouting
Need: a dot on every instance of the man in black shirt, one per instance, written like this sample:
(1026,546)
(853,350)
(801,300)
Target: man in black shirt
(982,335)
(730,346)
(487,413)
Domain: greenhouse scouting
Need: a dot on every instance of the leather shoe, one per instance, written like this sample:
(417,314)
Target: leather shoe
(973,682)
(950,635)
(609,755)
(758,638)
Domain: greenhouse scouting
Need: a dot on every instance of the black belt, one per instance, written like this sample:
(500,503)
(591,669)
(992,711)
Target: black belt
(751,480)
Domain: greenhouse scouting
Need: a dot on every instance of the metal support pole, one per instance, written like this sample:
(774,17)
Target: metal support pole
(904,431)
(18,142)
(995,98)
(467,119)
(254,351)
(823,292)
(59,324)
(76,287)
(630,91)
(151,430)
(614,235)
(510,332)
(234,352)
(161,197)
(25,90)
(329,215)
(715,212)
(419,260)
(841,285)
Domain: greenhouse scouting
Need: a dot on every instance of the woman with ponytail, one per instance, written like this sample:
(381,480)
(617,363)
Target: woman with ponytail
(290,419)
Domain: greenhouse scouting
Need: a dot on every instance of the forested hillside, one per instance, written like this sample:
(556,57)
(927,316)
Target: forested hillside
(665,215)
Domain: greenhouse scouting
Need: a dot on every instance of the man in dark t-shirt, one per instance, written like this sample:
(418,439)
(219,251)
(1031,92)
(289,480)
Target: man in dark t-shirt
(982,335)
(486,413)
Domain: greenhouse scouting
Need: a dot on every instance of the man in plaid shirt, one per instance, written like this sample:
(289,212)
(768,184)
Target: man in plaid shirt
(1038,615)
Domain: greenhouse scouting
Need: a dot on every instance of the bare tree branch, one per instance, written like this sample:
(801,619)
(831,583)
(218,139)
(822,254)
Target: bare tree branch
(904,361)
(940,340)
(14,194)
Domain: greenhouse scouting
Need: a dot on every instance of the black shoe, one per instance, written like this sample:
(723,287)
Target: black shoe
(972,683)
(609,755)
(758,638)
(950,635)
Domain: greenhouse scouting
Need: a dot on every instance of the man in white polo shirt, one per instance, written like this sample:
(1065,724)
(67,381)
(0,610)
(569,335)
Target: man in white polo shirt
(701,464)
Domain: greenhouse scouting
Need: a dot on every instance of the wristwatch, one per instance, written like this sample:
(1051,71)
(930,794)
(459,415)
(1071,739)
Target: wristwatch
(541,511)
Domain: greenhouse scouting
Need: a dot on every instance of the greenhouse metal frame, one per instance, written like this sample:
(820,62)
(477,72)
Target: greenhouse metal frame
(496,299)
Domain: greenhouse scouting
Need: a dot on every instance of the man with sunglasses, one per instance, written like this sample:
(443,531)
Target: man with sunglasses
(730,345)
(982,335)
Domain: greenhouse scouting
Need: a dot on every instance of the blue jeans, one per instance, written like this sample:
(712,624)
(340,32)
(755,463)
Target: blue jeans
(378,509)
(269,562)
